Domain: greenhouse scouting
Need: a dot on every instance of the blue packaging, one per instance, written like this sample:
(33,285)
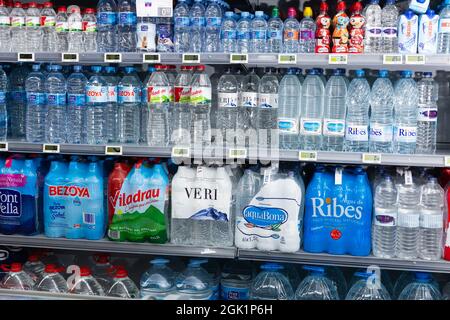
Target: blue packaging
(94,214)
(76,192)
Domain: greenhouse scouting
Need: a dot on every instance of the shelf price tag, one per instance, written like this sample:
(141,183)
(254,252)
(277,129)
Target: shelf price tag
(337,59)
(181,152)
(307,155)
(50,148)
(415,59)
(151,58)
(70,57)
(3,146)
(238,58)
(372,158)
(25,57)
(113,150)
(392,59)
(113,57)
(287,59)
(190,58)
(447,161)
(237,153)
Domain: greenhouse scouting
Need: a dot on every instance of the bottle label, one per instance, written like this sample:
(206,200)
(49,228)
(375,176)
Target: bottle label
(96,94)
(249,99)
(129,94)
(2,97)
(165,35)
(35,98)
(227,100)
(19,96)
(89,26)
(275,34)
(200,95)
(427,114)
(33,22)
(408,218)
(182,21)
(431,219)
(127,18)
(385,217)
(5,21)
(311,127)
(380,133)
(444,25)
(106,18)
(406,134)
(268,100)
(158,94)
(231,293)
(373,32)
(17,21)
(76,100)
(62,26)
(182,94)
(229,35)
(198,22)
(291,35)
(56,99)
(288,125)
(76,26)
(112,94)
(146,33)
(259,35)
(48,21)
(306,34)
(390,32)
(243,35)
(356,132)
(214,22)
(333,127)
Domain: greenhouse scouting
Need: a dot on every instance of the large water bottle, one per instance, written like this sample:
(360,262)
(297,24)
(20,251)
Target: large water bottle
(90,30)
(408,221)
(427,114)
(213,15)
(112,81)
(444,29)
(129,107)
(406,100)
(122,286)
(17,103)
(228,33)
(194,283)
(267,121)
(382,113)
(4,88)
(421,288)
(56,122)
(227,111)
(181,110)
(198,22)
(75,25)
(307,32)
(17,279)
(357,118)
(36,106)
(18,29)
(159,281)
(384,227)
(334,112)
(431,220)
(107,26)
(368,287)
(311,111)
(248,100)
(76,104)
(34,30)
(271,284)
(52,281)
(289,100)
(373,36)
(86,284)
(316,286)
(258,28)
(236,278)
(243,33)
(291,32)
(127,26)
(48,23)
(389,21)
(62,29)
(96,104)
(182,23)
(201,107)
(34,267)
(5,28)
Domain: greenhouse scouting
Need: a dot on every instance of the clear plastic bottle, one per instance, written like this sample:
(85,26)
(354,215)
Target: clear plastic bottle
(275,32)
(36,106)
(182,23)
(312,105)
(291,33)
(421,288)
(236,278)
(227,111)
(34,267)
(444,29)
(18,29)
(194,283)
(164,33)
(267,122)
(75,25)
(86,284)
(213,15)
(198,23)
(4,88)
(357,118)
(127,25)
(5,28)
(373,34)
(228,33)
(389,21)
(112,81)
(248,100)
(427,114)
(76,104)
(56,122)
(201,107)
(258,28)
(316,286)
(16,103)
(96,104)
(122,286)
(382,114)
(181,111)
(48,23)
(158,282)
(368,287)
(307,36)
(34,30)
(146,34)
(90,31)
(271,284)
(243,33)
(62,29)
(17,279)
(52,281)
(102,271)
(129,97)
(107,34)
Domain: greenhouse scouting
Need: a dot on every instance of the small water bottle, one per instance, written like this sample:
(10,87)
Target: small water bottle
(213,16)
(444,29)
(96,101)
(389,21)
(18,28)
(243,33)
(248,100)
(56,122)
(275,32)
(127,26)
(112,81)
(62,29)
(427,114)
(76,104)
(228,33)
(307,36)
(198,22)
(107,33)
(373,35)
(258,33)
(291,32)
(181,27)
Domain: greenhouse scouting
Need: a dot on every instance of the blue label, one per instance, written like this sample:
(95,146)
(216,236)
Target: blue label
(19,96)
(10,203)
(198,21)
(259,35)
(275,34)
(229,35)
(56,99)
(335,127)
(182,21)
(164,31)
(127,18)
(2,97)
(311,126)
(76,99)
(35,98)
(285,125)
(231,293)
(244,35)
(214,22)
(106,18)
(265,217)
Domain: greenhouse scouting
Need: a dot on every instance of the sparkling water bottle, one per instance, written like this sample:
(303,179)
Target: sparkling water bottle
(421,288)
(444,29)
(76,104)
(181,111)
(316,286)
(107,26)
(291,32)
(244,34)
(17,103)
(112,81)
(227,111)
(389,21)
(382,113)
(90,31)
(213,15)
(75,25)
(334,112)
(127,26)
(36,106)
(4,87)
(368,287)
(275,32)
(271,284)
(198,22)
(258,28)
(228,33)
(248,100)
(431,220)
(52,281)
(5,28)
(129,107)
(182,23)
(62,29)
(56,122)
(307,32)
(48,23)
(201,107)
(96,106)
(34,30)
(267,121)
(18,28)
(372,39)
(289,110)
(427,114)
(311,111)
(357,118)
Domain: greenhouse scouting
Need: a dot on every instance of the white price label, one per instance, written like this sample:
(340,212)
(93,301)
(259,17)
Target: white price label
(307,155)
(392,59)
(3,146)
(154,8)
(70,57)
(113,150)
(287,59)
(180,152)
(50,148)
(238,58)
(408,177)
(447,161)
(337,59)
(338,176)
(190,58)
(151,58)
(237,153)
(25,57)
(374,158)
(415,59)
(113,57)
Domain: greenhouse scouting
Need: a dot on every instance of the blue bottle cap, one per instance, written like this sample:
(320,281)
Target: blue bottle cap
(36,67)
(409,14)
(430,13)
(229,14)
(291,71)
(407,73)
(159,261)
(259,13)
(57,67)
(422,276)
(315,269)
(272,266)
(383,73)
(110,69)
(96,69)
(197,262)
(447,2)
(428,74)
(374,1)
(77,68)
(390,2)
(313,72)
(360,73)
(245,14)
(129,70)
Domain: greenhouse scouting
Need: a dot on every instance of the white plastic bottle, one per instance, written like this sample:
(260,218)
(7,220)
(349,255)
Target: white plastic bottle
(228,33)
(248,100)
(213,16)
(48,23)
(56,122)
(36,107)
(372,39)
(275,32)
(76,105)
(34,30)
(198,22)
(18,29)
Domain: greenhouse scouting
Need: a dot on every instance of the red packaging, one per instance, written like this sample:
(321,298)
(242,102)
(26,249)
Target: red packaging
(446,225)
(340,33)
(115,182)
(357,23)
(323,35)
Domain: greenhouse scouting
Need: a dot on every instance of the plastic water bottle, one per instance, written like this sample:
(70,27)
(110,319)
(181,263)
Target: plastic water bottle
(52,281)
(236,278)
(427,115)
(34,30)
(198,23)
(112,81)
(75,25)
(164,32)
(181,111)
(275,32)
(311,111)
(129,107)
(243,33)
(56,122)
(36,106)
(90,31)
(444,29)
(107,33)
(382,113)
(368,287)
(96,106)
(248,100)
(182,23)
(34,267)
(4,87)
(228,33)
(5,28)
(159,281)
(289,110)
(17,279)
(76,105)
(86,284)
(334,112)
(406,100)
(316,286)
(16,105)
(62,29)
(291,32)
(102,270)
(408,221)
(213,15)
(357,118)
(18,29)
(194,283)
(201,107)
(384,227)
(389,21)
(271,284)
(307,36)
(431,220)
(373,36)
(127,26)
(258,28)
(227,111)
(48,23)
(122,286)
(267,109)
(421,288)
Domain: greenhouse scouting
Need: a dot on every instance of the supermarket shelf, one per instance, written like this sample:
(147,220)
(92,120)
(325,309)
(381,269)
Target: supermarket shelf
(117,247)
(345,261)
(7,294)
